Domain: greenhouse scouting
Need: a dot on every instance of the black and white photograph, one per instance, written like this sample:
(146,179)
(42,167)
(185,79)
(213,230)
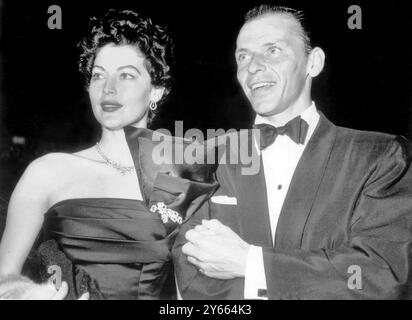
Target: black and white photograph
(184,150)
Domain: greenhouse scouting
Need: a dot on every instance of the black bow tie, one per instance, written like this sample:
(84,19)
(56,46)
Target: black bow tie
(296,129)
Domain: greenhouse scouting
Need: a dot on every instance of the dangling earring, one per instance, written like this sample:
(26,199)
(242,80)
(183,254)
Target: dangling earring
(152,106)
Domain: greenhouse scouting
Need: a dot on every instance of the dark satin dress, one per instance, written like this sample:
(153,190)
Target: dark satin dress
(118,242)
(118,248)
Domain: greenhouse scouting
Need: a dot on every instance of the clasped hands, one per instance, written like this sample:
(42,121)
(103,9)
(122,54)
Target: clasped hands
(216,250)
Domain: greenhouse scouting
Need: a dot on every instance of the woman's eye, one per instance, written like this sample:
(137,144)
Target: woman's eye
(127,76)
(97,76)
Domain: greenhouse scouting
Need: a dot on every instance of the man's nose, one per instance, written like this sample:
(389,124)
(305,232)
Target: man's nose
(110,86)
(256,64)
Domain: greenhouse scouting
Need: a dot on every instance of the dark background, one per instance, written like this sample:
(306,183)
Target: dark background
(365,85)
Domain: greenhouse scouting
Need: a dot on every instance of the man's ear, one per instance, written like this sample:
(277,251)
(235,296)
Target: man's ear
(156,94)
(316,61)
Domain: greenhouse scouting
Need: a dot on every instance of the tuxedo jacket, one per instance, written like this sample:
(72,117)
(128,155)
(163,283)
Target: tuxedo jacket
(348,208)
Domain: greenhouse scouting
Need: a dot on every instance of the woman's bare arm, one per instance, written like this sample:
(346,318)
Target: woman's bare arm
(25,213)
(28,203)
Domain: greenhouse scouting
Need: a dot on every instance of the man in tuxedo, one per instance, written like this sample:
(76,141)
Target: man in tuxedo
(328,215)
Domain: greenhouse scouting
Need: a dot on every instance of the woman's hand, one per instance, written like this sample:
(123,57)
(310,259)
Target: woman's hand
(48,291)
(45,291)
(17,287)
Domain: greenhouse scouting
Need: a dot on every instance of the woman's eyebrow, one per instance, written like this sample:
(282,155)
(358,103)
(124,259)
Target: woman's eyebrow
(99,67)
(128,66)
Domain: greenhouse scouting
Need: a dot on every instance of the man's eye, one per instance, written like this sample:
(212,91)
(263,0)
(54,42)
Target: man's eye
(273,50)
(127,76)
(97,76)
(241,57)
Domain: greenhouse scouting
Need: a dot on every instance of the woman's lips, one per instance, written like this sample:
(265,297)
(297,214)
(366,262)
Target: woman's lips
(111,106)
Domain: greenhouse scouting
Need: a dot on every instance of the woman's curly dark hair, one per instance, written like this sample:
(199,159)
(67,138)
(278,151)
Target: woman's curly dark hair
(129,27)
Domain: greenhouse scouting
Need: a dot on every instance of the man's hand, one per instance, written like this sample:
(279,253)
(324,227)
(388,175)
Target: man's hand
(216,250)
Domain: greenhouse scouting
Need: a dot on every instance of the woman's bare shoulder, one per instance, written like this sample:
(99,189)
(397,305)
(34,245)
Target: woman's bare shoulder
(88,154)
(59,159)
(53,157)
(40,179)
(46,176)
(50,160)
(54,164)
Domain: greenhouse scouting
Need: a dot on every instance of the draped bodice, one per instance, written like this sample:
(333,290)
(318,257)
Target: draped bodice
(118,242)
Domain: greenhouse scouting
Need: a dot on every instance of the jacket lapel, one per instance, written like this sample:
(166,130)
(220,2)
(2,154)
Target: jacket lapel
(304,186)
(252,205)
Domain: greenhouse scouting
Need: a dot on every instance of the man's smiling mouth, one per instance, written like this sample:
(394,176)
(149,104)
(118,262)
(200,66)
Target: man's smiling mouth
(258,86)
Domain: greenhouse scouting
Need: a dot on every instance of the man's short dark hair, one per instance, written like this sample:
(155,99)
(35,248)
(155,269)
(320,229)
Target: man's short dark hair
(298,15)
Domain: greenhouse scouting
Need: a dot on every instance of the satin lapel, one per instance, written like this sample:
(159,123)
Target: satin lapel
(132,135)
(304,186)
(252,207)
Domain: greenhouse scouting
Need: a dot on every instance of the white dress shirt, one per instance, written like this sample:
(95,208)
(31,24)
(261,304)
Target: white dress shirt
(279,162)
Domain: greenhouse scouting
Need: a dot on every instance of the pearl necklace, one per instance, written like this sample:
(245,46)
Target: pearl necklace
(115,165)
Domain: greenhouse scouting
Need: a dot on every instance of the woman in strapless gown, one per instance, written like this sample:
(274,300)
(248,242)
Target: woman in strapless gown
(118,248)
(93,216)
